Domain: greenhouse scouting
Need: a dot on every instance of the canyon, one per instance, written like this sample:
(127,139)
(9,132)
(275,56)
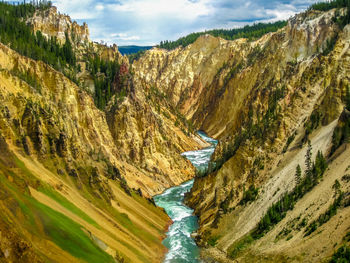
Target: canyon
(70,170)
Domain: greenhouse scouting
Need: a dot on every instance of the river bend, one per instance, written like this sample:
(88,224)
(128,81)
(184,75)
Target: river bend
(180,244)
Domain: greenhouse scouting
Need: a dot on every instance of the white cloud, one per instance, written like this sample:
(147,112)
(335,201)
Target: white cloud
(99,7)
(159,8)
(76,9)
(147,22)
(123,36)
(279,14)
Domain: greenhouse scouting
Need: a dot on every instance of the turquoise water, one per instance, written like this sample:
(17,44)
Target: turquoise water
(181,247)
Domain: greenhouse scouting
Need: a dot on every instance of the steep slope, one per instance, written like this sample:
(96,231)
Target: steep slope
(184,75)
(75,179)
(148,142)
(310,90)
(81,178)
(207,79)
(145,139)
(64,172)
(260,99)
(314,90)
(59,162)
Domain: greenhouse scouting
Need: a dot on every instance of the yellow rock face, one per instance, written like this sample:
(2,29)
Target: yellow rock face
(220,85)
(56,139)
(60,154)
(53,24)
(63,159)
(147,145)
(151,143)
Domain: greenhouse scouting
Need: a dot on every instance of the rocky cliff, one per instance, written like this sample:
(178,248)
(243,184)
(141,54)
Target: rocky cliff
(263,100)
(143,137)
(76,181)
(59,162)
(51,23)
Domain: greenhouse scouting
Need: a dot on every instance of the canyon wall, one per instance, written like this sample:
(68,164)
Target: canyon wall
(69,169)
(263,100)
(76,181)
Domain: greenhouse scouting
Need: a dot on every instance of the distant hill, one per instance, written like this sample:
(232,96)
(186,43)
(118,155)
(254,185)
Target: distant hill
(251,32)
(127,50)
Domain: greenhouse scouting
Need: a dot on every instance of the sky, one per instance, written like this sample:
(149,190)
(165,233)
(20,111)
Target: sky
(147,22)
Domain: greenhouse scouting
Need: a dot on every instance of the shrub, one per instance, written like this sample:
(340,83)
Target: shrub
(250,195)
(237,247)
(212,241)
(325,217)
(342,255)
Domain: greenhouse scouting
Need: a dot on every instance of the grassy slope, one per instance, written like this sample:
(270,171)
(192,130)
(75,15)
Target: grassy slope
(42,220)
(50,192)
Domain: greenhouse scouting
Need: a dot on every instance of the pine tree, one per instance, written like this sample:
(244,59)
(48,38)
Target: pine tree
(320,164)
(298,175)
(308,161)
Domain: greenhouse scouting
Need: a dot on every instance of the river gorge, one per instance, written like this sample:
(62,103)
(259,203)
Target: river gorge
(180,244)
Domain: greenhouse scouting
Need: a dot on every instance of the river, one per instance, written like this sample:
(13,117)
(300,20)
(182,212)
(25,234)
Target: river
(181,246)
